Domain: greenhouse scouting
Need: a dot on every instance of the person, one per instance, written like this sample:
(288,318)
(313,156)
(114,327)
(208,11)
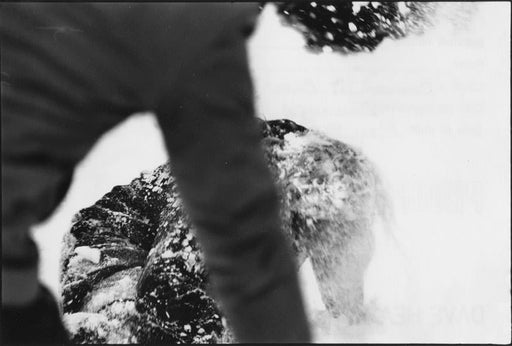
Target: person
(70,72)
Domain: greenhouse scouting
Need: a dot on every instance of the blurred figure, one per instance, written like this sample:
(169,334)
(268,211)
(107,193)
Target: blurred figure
(70,72)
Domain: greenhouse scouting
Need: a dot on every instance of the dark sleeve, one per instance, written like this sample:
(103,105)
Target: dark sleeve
(213,141)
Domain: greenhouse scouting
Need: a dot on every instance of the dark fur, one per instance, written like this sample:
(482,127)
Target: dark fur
(150,284)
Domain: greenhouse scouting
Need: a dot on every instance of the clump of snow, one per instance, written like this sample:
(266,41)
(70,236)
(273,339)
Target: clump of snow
(78,267)
(75,321)
(356,5)
(98,328)
(167,254)
(295,142)
(120,286)
(89,253)
(122,307)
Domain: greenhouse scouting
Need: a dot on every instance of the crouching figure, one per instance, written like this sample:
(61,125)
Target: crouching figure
(132,271)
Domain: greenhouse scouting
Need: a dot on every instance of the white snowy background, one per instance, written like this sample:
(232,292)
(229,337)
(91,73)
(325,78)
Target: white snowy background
(432,111)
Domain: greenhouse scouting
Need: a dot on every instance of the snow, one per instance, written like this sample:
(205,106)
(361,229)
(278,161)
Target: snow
(166,254)
(356,5)
(295,142)
(112,330)
(79,320)
(91,254)
(123,289)
(432,112)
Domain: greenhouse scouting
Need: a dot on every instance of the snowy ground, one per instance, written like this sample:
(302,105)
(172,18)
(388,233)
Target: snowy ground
(432,112)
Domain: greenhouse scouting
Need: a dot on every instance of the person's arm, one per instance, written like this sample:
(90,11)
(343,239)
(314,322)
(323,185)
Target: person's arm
(213,141)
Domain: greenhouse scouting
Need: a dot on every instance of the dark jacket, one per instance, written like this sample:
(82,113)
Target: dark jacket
(70,72)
